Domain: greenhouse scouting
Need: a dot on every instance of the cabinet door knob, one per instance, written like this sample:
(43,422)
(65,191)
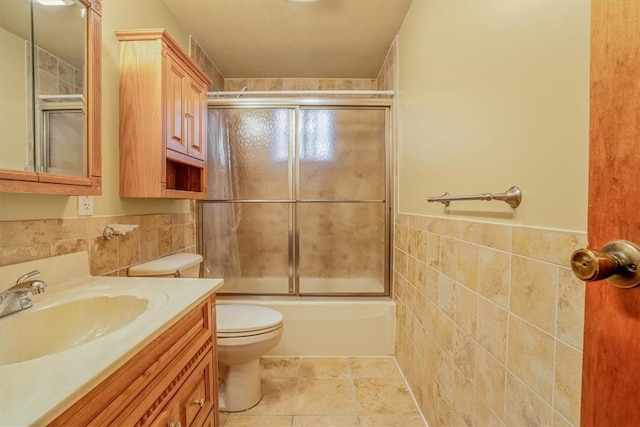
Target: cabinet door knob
(176,424)
(618,262)
(199,402)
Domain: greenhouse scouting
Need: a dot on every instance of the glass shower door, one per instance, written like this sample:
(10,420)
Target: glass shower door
(341,205)
(247,220)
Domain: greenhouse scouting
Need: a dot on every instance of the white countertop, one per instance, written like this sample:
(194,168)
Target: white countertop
(36,391)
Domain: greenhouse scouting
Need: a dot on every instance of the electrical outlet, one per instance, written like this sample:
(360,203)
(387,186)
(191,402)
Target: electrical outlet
(85,205)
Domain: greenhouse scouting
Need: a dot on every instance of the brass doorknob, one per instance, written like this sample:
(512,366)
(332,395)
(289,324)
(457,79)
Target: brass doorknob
(618,262)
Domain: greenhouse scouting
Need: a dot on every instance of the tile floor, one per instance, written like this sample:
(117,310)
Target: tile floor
(330,392)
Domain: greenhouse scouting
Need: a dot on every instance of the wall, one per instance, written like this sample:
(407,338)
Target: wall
(206,64)
(490,318)
(489,321)
(494,94)
(300,84)
(34,226)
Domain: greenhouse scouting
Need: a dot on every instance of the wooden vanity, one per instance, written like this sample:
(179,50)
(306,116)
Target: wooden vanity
(145,355)
(172,381)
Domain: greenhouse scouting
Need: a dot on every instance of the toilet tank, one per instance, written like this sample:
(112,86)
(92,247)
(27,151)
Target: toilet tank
(187,264)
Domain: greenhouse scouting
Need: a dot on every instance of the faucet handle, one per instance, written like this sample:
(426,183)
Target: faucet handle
(37,287)
(28,276)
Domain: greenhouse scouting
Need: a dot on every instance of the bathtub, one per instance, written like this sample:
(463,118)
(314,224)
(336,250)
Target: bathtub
(331,327)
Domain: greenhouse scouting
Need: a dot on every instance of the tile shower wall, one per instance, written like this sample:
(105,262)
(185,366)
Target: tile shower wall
(489,321)
(386,79)
(57,77)
(299,84)
(157,235)
(206,64)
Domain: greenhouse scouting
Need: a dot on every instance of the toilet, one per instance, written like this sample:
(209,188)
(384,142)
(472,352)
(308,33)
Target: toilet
(245,333)
(176,265)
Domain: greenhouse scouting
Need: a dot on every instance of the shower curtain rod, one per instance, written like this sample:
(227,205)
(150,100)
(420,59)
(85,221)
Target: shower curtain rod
(218,94)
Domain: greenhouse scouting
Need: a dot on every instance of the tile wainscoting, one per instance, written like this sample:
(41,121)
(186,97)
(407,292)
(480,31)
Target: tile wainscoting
(156,235)
(489,321)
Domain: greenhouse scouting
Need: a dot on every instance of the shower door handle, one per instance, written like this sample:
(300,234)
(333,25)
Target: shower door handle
(618,262)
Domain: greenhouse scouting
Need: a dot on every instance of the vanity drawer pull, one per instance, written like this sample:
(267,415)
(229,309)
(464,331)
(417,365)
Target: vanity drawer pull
(178,424)
(199,402)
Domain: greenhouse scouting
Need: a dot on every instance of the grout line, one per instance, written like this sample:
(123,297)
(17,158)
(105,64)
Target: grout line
(413,397)
(555,341)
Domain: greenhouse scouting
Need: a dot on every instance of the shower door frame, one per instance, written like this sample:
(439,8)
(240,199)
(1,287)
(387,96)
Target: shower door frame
(295,105)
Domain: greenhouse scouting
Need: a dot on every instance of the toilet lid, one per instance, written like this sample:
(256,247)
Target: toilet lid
(246,318)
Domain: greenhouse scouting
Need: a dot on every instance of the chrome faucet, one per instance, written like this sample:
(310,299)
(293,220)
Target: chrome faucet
(16,297)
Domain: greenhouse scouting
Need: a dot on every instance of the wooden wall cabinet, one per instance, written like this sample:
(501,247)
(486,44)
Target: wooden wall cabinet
(163,118)
(173,379)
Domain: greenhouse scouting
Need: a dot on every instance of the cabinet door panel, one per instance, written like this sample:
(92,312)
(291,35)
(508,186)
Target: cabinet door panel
(196,129)
(195,397)
(175,108)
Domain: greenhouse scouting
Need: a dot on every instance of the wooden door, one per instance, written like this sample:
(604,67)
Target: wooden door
(611,364)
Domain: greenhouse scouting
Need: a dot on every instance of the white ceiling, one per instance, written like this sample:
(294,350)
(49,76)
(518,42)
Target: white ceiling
(283,38)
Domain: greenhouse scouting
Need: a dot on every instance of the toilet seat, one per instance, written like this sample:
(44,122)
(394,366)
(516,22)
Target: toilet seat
(237,320)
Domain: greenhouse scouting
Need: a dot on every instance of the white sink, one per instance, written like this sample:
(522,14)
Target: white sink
(37,332)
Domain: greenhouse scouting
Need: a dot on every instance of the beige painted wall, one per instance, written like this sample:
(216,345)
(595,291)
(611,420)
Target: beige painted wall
(116,15)
(494,94)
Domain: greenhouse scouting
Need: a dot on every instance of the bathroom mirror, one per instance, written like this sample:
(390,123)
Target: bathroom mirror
(50,96)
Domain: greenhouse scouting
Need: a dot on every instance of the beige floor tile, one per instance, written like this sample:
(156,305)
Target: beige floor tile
(278,397)
(324,367)
(326,395)
(383,397)
(325,421)
(374,367)
(240,420)
(280,367)
(391,421)
(222,417)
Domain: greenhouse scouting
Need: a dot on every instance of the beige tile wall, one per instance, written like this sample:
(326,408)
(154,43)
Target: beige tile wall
(300,84)
(489,321)
(206,64)
(57,77)
(157,235)
(386,79)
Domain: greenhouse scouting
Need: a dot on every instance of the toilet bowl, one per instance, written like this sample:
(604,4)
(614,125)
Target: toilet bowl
(245,333)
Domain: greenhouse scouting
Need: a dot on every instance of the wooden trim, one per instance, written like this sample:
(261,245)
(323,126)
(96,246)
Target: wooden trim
(8,174)
(178,194)
(94,89)
(185,159)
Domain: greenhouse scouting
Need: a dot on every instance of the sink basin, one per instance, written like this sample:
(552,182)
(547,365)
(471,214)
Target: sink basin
(37,332)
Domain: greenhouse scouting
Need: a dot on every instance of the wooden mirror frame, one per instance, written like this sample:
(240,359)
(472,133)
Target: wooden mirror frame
(14,181)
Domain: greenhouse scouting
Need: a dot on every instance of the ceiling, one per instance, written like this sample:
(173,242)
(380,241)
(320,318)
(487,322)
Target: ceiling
(283,38)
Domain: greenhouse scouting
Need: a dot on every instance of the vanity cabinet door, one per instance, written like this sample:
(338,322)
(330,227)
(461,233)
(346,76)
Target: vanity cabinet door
(195,398)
